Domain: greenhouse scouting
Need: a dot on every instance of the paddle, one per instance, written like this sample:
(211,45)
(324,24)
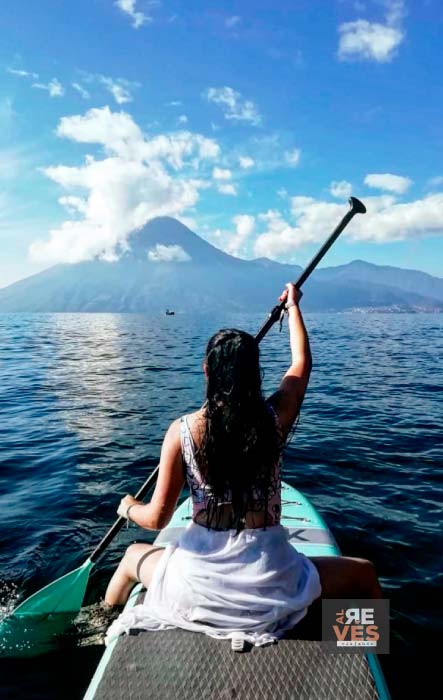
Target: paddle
(357,207)
(50,610)
(64,597)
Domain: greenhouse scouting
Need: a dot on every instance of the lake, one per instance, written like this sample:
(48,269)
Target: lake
(86,398)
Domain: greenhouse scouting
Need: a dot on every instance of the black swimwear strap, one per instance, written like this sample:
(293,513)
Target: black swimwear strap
(142,560)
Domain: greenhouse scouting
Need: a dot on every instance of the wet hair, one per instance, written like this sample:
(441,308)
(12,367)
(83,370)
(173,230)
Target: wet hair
(240,444)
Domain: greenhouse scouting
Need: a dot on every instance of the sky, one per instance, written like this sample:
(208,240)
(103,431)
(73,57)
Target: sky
(251,122)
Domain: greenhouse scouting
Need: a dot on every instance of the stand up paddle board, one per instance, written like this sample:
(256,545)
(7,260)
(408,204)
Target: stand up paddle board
(181,665)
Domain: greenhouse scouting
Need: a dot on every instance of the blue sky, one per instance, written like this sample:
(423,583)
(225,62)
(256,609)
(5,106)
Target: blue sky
(252,122)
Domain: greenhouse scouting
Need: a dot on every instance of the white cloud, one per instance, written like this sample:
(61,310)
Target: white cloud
(246,162)
(22,73)
(119,88)
(116,131)
(365,40)
(119,134)
(74,205)
(234,106)
(388,182)
(227,189)
(138,179)
(221,174)
(310,221)
(373,41)
(81,90)
(340,189)
(392,221)
(293,157)
(54,88)
(176,147)
(183,119)
(245,227)
(278,238)
(129,7)
(168,253)
(235,242)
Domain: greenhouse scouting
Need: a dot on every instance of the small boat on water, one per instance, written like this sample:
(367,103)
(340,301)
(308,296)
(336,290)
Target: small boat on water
(180,665)
(170,313)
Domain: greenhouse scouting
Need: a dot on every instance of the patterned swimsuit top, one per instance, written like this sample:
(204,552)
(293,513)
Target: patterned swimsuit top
(201,494)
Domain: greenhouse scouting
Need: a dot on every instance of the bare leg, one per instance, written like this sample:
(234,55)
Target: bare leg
(340,577)
(138,564)
(347,577)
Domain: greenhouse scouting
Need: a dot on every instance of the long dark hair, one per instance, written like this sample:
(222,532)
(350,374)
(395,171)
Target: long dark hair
(240,444)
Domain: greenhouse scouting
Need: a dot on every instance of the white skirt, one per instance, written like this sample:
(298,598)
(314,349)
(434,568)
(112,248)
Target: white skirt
(253,585)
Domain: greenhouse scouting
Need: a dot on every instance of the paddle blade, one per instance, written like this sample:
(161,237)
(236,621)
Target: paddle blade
(45,614)
(65,595)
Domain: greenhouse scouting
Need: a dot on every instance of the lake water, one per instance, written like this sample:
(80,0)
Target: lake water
(86,398)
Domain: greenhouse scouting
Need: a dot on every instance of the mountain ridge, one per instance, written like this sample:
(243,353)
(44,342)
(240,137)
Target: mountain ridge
(167,264)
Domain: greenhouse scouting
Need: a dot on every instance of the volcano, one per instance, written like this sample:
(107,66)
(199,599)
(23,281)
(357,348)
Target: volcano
(167,265)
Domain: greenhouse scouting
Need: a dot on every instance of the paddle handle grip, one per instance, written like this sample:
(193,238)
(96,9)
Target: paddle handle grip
(120,522)
(357,207)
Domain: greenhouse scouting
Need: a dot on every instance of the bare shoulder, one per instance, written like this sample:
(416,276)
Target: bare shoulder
(196,422)
(172,435)
(174,426)
(195,417)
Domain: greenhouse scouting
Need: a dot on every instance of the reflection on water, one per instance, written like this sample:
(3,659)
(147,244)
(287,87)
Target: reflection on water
(90,376)
(32,635)
(86,398)
(35,635)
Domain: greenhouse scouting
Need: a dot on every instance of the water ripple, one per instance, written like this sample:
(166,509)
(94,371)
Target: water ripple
(86,398)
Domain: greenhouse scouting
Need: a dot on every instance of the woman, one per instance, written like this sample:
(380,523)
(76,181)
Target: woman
(233,571)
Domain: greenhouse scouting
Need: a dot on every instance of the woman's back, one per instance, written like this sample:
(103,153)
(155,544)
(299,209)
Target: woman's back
(263,501)
(229,573)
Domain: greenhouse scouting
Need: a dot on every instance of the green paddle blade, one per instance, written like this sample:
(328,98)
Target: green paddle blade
(30,628)
(64,595)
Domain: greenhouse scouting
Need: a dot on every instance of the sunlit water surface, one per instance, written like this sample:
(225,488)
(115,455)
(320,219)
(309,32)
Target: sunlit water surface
(86,398)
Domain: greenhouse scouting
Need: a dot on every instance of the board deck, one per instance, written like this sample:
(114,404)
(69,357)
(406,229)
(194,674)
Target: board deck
(181,665)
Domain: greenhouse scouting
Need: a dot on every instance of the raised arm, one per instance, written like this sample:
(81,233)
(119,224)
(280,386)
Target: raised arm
(156,514)
(288,399)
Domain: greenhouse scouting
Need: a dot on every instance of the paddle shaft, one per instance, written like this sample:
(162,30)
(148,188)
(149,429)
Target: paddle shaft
(115,529)
(357,207)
